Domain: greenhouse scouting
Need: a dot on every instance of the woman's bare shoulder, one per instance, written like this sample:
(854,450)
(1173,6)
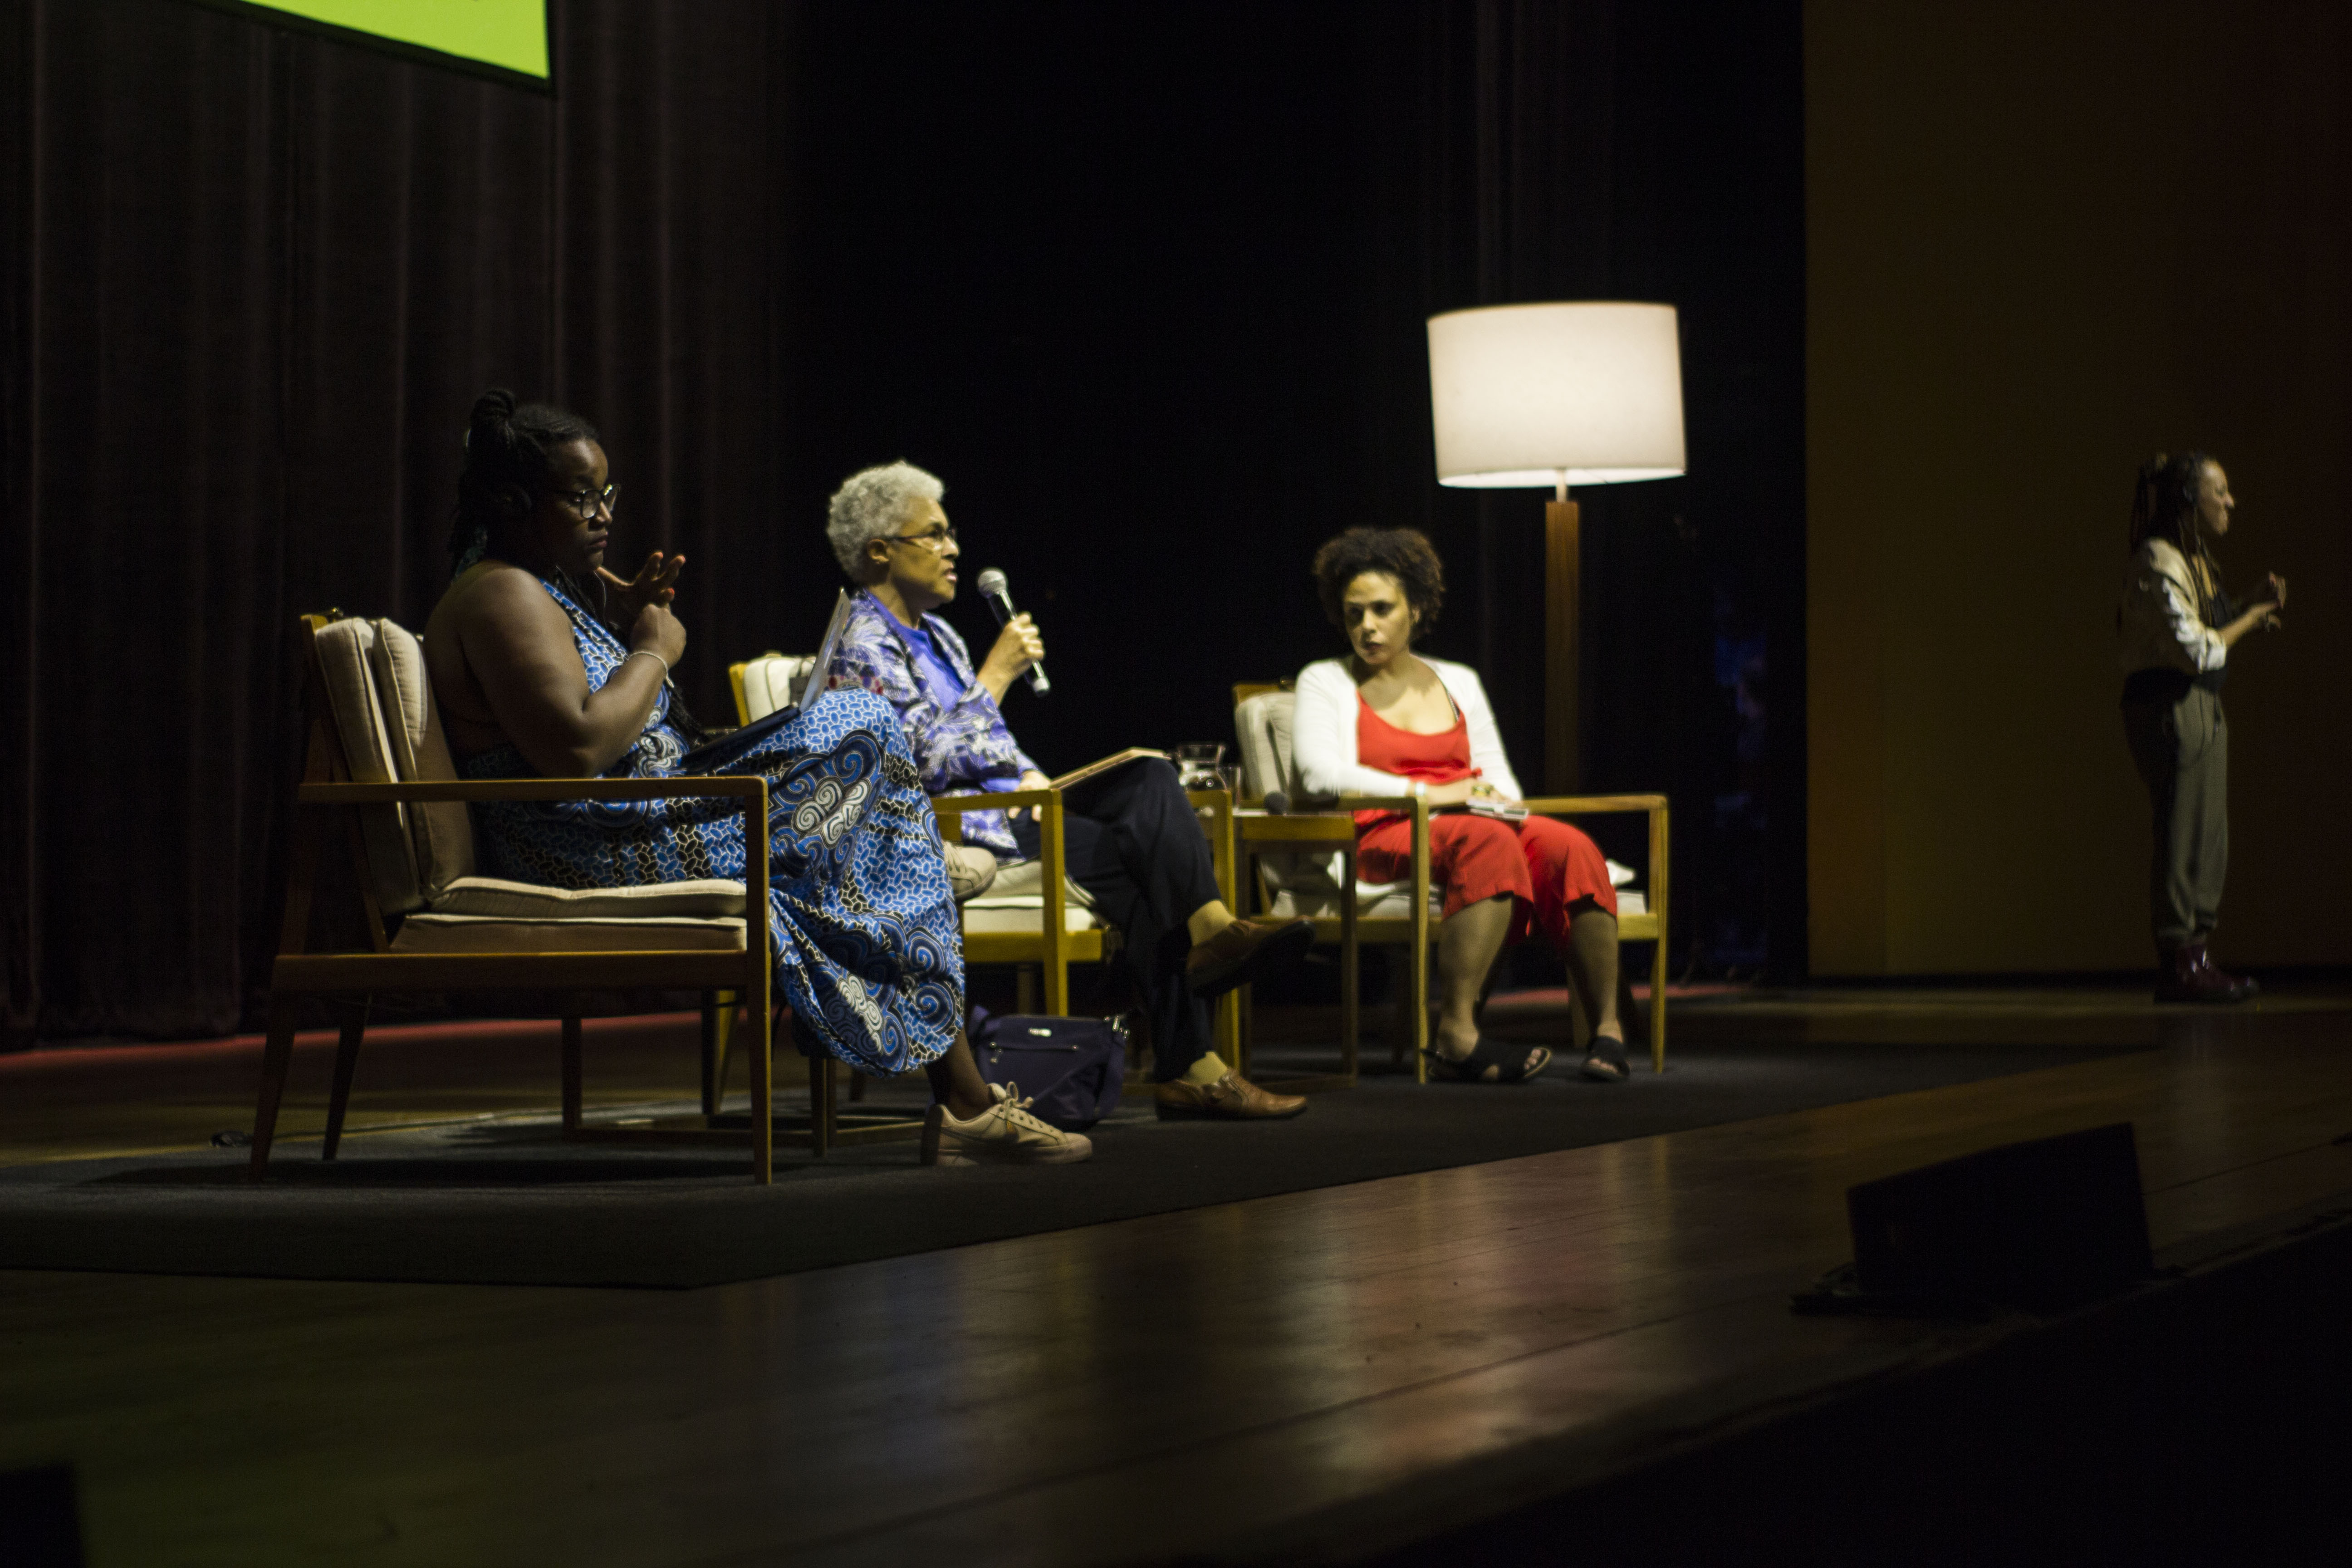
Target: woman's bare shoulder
(494,583)
(493,592)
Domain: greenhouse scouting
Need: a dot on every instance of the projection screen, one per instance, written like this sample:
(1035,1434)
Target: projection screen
(505,34)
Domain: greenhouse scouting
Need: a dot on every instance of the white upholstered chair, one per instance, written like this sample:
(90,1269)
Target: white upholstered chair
(1305,861)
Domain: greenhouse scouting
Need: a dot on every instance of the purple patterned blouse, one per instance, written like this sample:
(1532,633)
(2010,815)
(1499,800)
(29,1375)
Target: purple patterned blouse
(957,749)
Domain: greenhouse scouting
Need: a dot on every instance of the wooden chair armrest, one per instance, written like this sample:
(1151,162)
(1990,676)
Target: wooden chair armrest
(1593,804)
(957,805)
(744,788)
(1378,802)
(1296,827)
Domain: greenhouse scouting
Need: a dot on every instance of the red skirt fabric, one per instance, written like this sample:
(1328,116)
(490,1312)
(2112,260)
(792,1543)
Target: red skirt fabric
(1544,864)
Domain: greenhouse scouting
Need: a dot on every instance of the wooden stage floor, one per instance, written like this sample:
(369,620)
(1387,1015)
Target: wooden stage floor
(1294,1376)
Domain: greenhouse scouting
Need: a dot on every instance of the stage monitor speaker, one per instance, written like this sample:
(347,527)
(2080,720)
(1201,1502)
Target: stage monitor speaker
(2044,1225)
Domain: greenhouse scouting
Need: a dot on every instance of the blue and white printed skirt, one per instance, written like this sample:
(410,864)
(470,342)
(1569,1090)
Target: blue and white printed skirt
(868,950)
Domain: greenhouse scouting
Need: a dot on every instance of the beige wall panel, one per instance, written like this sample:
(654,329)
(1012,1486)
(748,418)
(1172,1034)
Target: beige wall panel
(2044,241)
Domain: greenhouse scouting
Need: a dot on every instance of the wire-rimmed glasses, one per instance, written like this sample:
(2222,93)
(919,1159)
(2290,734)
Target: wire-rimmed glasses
(586,504)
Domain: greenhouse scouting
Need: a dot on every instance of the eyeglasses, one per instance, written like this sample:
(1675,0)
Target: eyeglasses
(935,540)
(587,504)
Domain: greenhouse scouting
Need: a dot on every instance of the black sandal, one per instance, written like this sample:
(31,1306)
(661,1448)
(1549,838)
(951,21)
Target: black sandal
(1506,1063)
(1605,1062)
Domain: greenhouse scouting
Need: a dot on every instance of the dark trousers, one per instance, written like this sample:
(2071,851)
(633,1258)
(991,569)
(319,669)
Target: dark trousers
(2183,750)
(1132,842)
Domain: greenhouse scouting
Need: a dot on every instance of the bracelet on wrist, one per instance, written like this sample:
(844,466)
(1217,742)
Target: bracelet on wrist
(648,653)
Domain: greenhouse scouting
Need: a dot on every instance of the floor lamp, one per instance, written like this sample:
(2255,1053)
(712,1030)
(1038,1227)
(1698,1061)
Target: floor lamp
(1556,394)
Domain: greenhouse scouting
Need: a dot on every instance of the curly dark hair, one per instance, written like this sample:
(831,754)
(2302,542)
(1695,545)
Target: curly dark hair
(1403,554)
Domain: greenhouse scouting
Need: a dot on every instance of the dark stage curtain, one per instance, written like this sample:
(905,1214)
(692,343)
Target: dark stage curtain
(1145,283)
(1149,293)
(255,278)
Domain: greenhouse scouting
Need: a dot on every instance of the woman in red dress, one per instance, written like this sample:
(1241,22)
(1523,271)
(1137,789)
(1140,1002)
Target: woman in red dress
(1387,721)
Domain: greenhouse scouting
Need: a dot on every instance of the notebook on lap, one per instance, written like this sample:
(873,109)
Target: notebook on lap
(721,751)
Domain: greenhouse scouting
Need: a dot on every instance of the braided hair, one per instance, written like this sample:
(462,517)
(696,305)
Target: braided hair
(506,444)
(2164,506)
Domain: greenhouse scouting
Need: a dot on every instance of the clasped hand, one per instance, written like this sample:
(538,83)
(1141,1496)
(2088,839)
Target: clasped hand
(1461,792)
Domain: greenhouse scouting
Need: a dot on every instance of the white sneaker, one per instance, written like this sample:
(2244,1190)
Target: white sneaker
(970,870)
(1005,1134)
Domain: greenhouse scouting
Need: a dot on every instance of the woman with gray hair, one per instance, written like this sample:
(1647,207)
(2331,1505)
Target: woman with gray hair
(949,711)
(1129,837)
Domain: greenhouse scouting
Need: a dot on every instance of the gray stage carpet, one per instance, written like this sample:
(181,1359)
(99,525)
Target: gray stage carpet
(508,1203)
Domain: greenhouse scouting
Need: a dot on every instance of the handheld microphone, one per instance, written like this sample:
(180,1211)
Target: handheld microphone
(1000,600)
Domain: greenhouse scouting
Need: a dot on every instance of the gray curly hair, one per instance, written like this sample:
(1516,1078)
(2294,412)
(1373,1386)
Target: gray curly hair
(871,504)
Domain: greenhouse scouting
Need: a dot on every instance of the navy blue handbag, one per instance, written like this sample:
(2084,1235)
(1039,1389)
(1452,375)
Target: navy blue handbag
(1069,1069)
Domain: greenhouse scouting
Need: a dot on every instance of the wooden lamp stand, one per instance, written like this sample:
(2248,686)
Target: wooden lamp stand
(1563,714)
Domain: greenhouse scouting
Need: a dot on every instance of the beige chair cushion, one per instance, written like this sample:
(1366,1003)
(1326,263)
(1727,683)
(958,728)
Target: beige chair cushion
(1021,884)
(1001,920)
(442,832)
(772,681)
(1015,902)
(343,653)
(435,933)
(494,897)
(1389,902)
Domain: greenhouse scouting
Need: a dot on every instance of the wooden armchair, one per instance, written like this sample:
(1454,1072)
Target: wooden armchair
(1029,916)
(1042,924)
(376,757)
(1305,863)
(1033,916)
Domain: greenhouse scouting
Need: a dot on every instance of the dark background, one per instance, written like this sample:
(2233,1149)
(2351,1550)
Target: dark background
(1145,284)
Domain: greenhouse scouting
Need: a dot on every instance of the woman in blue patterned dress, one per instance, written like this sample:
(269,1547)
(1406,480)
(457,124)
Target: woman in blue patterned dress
(546,665)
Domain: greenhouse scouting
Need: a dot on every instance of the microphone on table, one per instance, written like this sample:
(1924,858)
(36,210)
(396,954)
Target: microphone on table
(1277,804)
(1000,600)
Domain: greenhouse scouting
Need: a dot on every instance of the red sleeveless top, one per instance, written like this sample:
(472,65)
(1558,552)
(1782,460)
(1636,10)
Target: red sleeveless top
(1435,759)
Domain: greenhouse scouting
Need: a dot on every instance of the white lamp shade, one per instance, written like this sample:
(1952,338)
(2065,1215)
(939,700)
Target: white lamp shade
(1522,394)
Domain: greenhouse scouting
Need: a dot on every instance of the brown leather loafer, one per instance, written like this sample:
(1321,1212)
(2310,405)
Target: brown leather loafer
(1244,952)
(1232,1098)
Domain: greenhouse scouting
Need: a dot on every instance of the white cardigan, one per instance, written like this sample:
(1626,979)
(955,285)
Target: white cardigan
(1323,731)
(2157,624)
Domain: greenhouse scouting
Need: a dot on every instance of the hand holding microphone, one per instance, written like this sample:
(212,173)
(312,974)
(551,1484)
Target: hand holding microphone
(1019,649)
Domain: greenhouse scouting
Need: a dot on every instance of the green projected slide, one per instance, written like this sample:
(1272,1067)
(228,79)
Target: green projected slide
(508,34)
